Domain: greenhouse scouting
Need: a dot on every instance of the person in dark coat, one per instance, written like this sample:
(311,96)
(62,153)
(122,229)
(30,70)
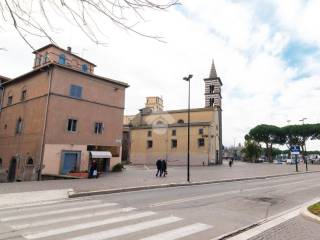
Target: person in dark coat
(158,164)
(93,169)
(163,168)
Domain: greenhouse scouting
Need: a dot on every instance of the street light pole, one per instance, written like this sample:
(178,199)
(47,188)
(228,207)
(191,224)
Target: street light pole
(188,157)
(305,147)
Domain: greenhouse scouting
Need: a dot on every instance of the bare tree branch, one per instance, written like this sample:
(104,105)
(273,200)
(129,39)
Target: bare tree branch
(25,18)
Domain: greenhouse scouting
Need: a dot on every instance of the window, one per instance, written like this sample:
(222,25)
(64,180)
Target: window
(200,142)
(84,68)
(0,163)
(149,133)
(75,91)
(62,59)
(180,121)
(174,143)
(23,95)
(149,144)
(211,101)
(201,131)
(19,126)
(72,125)
(174,132)
(44,58)
(10,100)
(30,161)
(211,88)
(98,127)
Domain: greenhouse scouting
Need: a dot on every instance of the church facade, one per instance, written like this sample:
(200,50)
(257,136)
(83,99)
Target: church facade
(154,133)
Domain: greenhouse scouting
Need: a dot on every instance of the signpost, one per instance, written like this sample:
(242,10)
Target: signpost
(295,150)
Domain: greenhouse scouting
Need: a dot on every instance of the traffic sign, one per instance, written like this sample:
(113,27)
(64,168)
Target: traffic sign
(295,150)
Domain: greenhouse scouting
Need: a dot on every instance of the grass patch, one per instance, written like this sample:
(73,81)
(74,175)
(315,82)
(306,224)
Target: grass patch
(315,209)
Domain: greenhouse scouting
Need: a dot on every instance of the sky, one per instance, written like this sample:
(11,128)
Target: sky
(266,53)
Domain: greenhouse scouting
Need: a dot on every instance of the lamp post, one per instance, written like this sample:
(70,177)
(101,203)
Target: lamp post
(305,147)
(188,79)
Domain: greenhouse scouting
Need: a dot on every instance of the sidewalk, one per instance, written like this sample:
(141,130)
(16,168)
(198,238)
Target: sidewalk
(134,176)
(297,228)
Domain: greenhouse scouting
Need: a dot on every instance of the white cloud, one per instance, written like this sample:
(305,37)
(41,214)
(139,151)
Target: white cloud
(258,86)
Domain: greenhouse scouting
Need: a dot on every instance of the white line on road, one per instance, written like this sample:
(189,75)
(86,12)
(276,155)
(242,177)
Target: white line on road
(69,218)
(179,232)
(49,205)
(115,232)
(82,226)
(189,199)
(270,222)
(53,212)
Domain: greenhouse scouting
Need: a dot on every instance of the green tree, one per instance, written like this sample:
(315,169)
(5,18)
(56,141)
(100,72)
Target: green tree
(251,150)
(269,135)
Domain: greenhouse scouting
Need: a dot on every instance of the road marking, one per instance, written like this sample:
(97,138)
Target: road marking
(46,206)
(82,226)
(259,229)
(115,232)
(179,232)
(53,212)
(183,200)
(269,222)
(69,218)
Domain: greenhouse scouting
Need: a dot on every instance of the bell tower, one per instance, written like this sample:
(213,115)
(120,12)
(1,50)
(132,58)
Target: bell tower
(213,88)
(213,100)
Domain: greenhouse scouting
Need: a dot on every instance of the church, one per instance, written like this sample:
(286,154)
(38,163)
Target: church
(154,133)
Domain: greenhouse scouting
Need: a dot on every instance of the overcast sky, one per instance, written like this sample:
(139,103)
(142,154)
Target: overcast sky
(266,54)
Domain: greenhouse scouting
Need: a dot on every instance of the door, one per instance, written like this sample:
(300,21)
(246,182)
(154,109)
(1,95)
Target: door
(70,162)
(12,170)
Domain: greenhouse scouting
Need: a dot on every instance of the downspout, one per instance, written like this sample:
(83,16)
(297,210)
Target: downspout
(45,125)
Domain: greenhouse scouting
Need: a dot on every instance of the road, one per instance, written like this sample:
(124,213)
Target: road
(194,212)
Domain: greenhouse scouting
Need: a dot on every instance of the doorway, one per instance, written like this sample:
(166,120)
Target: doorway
(12,170)
(70,162)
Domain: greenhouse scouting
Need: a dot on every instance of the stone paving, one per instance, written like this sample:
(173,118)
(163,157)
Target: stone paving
(134,176)
(297,228)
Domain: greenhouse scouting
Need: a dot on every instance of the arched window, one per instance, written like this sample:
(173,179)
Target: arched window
(84,68)
(159,122)
(180,121)
(62,59)
(19,126)
(30,161)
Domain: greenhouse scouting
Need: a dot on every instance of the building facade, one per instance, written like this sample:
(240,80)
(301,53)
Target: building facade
(58,117)
(157,134)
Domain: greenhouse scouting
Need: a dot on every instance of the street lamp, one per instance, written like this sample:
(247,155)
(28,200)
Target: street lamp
(305,147)
(188,157)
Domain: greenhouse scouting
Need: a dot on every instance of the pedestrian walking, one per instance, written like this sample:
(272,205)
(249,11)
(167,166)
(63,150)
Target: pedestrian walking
(230,162)
(164,168)
(93,170)
(158,164)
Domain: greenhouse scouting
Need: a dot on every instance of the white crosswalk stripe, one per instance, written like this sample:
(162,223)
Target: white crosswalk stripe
(92,220)
(179,232)
(82,226)
(116,232)
(53,212)
(69,218)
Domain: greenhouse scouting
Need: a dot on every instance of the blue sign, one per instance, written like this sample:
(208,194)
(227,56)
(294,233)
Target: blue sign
(295,150)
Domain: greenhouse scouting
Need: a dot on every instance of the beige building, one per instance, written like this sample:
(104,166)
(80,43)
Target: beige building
(157,134)
(58,117)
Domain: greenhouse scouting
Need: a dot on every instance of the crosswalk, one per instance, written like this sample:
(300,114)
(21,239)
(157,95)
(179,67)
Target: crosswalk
(88,219)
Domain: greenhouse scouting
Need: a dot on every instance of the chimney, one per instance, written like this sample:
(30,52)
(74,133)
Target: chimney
(69,49)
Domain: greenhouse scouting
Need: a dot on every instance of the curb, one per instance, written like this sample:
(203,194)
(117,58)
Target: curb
(170,185)
(308,215)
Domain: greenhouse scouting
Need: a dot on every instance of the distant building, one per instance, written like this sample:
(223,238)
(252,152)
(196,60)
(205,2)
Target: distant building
(157,134)
(59,117)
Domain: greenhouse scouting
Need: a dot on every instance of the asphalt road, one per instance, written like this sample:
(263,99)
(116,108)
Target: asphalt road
(194,212)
